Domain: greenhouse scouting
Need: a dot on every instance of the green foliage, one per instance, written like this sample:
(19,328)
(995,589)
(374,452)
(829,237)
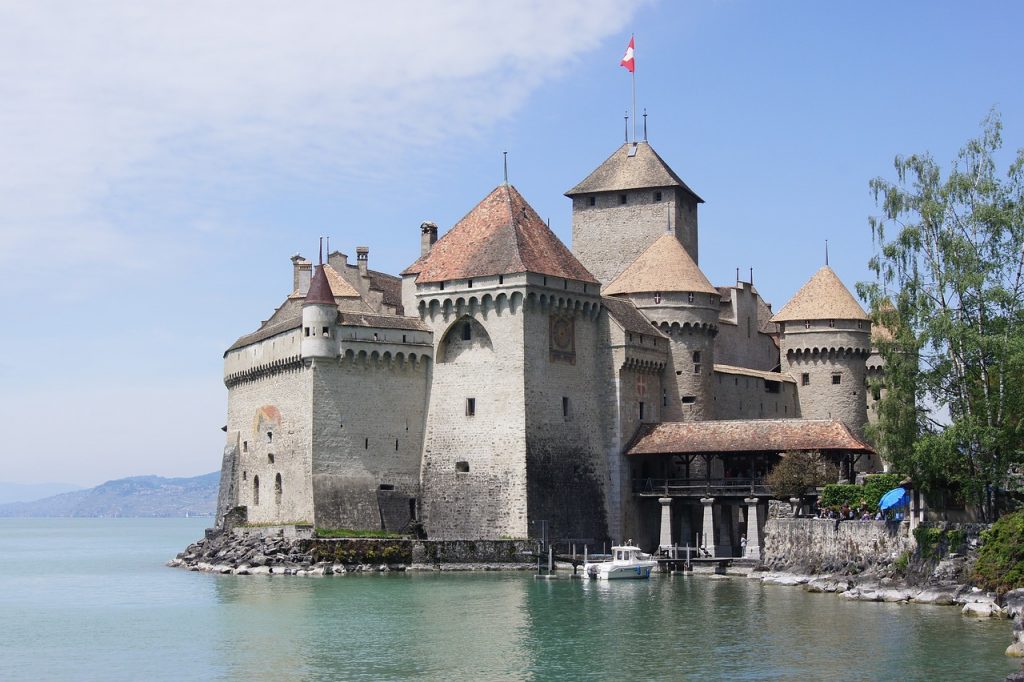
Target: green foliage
(929,541)
(350,533)
(799,472)
(949,288)
(902,563)
(362,551)
(838,494)
(1000,565)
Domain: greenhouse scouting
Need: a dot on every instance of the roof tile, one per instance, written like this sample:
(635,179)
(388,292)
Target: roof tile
(745,435)
(664,266)
(823,297)
(621,171)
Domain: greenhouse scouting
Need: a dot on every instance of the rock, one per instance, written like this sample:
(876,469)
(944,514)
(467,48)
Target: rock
(1014,603)
(938,597)
(982,609)
(828,585)
(894,594)
(259,570)
(1015,650)
(785,579)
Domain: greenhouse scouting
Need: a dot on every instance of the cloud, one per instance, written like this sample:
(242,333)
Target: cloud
(108,107)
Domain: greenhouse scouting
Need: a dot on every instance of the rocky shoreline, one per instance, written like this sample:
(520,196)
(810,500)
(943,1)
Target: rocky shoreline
(270,551)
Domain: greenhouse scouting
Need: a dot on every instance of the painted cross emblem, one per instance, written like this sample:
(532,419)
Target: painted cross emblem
(641,385)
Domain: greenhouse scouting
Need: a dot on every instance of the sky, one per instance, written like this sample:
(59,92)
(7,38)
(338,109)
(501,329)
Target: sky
(162,161)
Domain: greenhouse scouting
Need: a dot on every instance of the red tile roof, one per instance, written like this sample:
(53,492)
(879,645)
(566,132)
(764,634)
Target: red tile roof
(319,289)
(502,235)
(745,435)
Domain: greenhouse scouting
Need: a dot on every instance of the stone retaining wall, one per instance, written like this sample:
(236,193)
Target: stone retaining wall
(814,546)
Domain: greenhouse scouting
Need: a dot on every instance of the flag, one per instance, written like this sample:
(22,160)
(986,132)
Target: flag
(627,59)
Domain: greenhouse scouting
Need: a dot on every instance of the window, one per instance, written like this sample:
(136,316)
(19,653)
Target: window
(837,379)
(657,297)
(501,279)
(831,323)
(396,445)
(270,436)
(467,332)
(593,201)
(366,444)
(657,196)
(622,198)
(306,331)
(664,398)
(545,281)
(386,486)
(277,489)
(689,297)
(641,411)
(689,399)
(376,337)
(807,324)
(442,286)
(469,283)
(412,508)
(245,446)
(403,338)
(255,491)
(696,362)
(772,386)
(565,284)
(860,324)
(805,379)
(245,475)
(270,458)
(326,331)
(565,408)
(470,407)
(462,467)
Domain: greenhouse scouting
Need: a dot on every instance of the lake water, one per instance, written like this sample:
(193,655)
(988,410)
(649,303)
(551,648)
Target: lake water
(85,599)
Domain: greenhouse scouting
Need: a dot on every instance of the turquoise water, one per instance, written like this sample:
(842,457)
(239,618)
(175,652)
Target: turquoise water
(90,599)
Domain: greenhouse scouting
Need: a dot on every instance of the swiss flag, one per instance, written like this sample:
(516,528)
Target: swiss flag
(627,59)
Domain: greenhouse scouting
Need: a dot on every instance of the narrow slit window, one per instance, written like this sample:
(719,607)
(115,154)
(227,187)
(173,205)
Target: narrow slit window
(467,332)
(470,407)
(622,198)
(565,407)
(657,196)
(278,489)
(641,411)
(326,331)
(270,458)
(593,201)
(462,467)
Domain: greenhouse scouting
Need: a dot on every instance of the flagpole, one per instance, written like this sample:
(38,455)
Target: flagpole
(633,74)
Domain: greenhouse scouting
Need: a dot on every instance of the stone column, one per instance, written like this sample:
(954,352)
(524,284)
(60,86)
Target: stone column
(707,536)
(753,530)
(666,522)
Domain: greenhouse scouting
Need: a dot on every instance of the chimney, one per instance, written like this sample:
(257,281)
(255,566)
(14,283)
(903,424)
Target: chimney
(428,236)
(302,272)
(362,259)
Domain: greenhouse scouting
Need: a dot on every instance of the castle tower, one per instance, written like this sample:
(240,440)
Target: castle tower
(514,432)
(825,341)
(666,285)
(319,318)
(623,207)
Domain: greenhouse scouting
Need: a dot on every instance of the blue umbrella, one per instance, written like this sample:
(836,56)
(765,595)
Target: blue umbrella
(896,497)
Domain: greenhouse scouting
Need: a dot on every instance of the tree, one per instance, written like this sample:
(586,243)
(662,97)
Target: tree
(799,472)
(949,267)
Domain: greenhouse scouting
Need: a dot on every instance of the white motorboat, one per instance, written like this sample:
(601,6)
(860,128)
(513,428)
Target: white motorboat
(627,561)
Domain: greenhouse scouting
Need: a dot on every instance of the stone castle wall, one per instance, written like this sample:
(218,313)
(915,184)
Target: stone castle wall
(367,431)
(474,465)
(565,441)
(739,343)
(739,396)
(269,419)
(609,235)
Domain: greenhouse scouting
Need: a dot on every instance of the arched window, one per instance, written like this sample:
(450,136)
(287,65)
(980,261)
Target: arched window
(277,489)
(255,491)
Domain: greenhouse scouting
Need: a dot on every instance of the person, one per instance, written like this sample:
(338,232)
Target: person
(743,545)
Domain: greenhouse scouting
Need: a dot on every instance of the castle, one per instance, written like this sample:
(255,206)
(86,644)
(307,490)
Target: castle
(506,386)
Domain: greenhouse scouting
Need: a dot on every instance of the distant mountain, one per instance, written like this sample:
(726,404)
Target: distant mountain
(26,492)
(135,496)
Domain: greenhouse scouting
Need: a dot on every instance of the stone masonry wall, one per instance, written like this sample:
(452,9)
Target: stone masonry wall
(368,422)
(812,546)
(610,235)
(565,454)
(739,343)
(738,396)
(474,465)
(270,420)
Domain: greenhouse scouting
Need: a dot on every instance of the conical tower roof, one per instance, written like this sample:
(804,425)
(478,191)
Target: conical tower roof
(319,289)
(623,170)
(502,235)
(664,266)
(823,297)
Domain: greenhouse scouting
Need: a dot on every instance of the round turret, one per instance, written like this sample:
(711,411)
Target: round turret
(666,285)
(319,318)
(824,342)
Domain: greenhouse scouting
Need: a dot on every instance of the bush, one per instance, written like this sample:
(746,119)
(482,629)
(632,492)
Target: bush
(1000,565)
(838,494)
(877,485)
(799,472)
(350,533)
